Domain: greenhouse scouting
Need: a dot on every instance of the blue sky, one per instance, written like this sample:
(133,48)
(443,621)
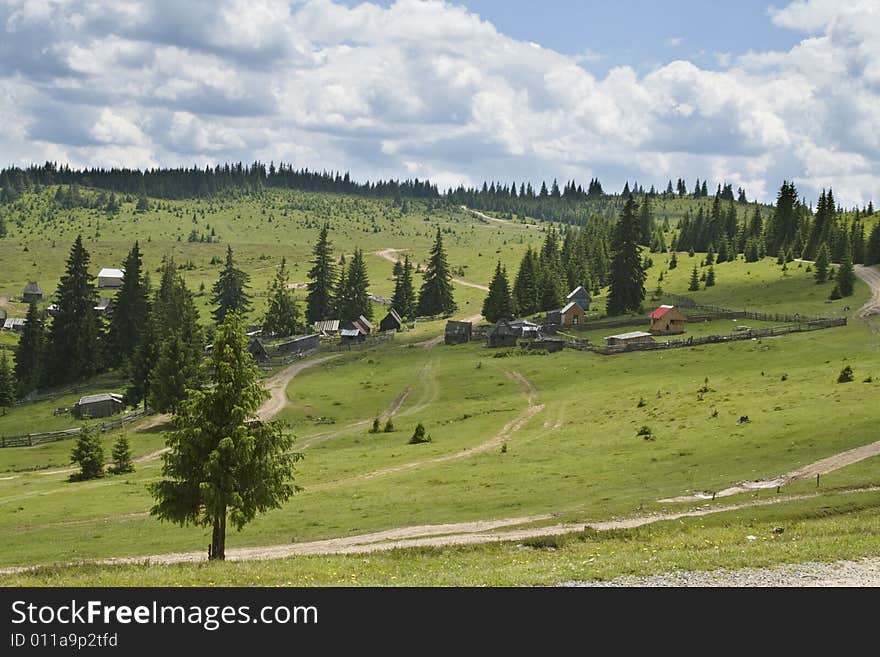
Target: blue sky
(748,93)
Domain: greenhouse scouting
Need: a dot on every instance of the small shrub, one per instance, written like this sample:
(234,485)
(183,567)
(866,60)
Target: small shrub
(504,448)
(846,375)
(375,428)
(641,403)
(869,379)
(646,433)
(389,426)
(419,435)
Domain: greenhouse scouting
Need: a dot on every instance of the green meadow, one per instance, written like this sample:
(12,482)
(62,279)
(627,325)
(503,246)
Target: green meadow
(513,434)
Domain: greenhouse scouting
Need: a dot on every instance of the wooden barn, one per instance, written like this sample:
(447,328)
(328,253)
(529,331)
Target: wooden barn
(667,320)
(391,321)
(100,405)
(110,278)
(14,324)
(628,338)
(552,345)
(458,332)
(502,335)
(32,292)
(326,327)
(571,315)
(364,323)
(301,345)
(257,349)
(581,297)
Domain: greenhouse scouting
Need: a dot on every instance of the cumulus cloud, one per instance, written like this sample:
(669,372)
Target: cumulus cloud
(428,89)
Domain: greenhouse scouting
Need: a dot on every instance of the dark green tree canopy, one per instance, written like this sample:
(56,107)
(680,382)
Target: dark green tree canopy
(627,290)
(230,290)
(436,297)
(282,317)
(322,276)
(498,303)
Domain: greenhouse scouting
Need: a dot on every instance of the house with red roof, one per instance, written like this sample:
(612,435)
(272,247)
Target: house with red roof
(667,320)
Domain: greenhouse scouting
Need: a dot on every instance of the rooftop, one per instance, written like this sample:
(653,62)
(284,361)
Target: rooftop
(102,396)
(630,335)
(109,272)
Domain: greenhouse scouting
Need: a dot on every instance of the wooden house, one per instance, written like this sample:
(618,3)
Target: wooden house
(110,278)
(571,315)
(502,335)
(623,339)
(14,324)
(667,320)
(32,292)
(100,405)
(364,323)
(581,297)
(300,345)
(458,332)
(391,321)
(326,327)
(257,349)
(552,345)
(353,333)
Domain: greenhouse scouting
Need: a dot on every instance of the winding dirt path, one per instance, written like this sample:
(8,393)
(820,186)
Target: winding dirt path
(495,219)
(871,276)
(810,471)
(391,256)
(276,386)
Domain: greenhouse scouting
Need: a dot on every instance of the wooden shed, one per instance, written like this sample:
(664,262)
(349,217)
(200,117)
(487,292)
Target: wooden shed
(502,335)
(300,345)
(581,297)
(257,349)
(100,405)
(628,338)
(110,278)
(458,332)
(571,315)
(32,292)
(667,320)
(326,327)
(552,345)
(391,321)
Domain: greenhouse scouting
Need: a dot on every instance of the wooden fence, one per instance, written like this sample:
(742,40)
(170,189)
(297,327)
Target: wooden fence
(31,439)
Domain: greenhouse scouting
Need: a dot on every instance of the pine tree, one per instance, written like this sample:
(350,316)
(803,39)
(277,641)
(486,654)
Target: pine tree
(820,267)
(122,461)
(129,311)
(223,464)
(143,360)
(30,352)
(7,383)
(694,283)
(74,345)
(341,296)
(282,317)
(846,277)
(498,303)
(872,249)
(319,302)
(88,454)
(627,274)
(673,261)
(230,291)
(710,277)
(404,298)
(435,297)
(357,301)
(526,287)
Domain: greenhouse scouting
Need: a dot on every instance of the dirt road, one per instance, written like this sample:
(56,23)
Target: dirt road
(277,386)
(391,256)
(871,276)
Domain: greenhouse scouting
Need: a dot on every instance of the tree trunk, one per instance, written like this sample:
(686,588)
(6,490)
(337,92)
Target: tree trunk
(217,550)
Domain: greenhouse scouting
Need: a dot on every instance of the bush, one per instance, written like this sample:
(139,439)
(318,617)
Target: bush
(375,428)
(389,426)
(641,403)
(646,433)
(846,375)
(419,435)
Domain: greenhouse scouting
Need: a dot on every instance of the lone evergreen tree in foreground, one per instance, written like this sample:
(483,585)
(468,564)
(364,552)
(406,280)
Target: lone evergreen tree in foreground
(322,276)
(498,303)
(435,297)
(74,344)
(627,274)
(282,316)
(230,290)
(225,463)
(88,454)
(404,298)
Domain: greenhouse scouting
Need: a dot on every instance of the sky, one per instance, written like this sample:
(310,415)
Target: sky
(749,94)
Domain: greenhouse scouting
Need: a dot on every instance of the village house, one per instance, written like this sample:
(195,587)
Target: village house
(364,323)
(326,327)
(32,292)
(110,278)
(391,321)
(571,315)
(300,345)
(506,333)
(667,320)
(100,405)
(623,339)
(257,349)
(581,297)
(458,332)
(14,324)
(354,332)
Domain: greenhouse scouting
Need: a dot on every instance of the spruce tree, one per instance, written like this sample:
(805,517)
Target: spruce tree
(88,454)
(526,287)
(322,276)
(129,310)
(357,290)
(872,249)
(498,303)
(673,261)
(404,298)
(846,277)
(710,277)
(7,383)
(122,461)
(820,267)
(143,360)
(282,317)
(30,352)
(341,296)
(230,293)
(627,289)
(694,283)
(74,345)
(435,296)
(224,464)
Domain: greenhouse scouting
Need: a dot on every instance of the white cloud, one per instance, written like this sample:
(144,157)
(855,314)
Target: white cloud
(427,89)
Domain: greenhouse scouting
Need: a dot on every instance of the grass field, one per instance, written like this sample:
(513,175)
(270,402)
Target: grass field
(513,436)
